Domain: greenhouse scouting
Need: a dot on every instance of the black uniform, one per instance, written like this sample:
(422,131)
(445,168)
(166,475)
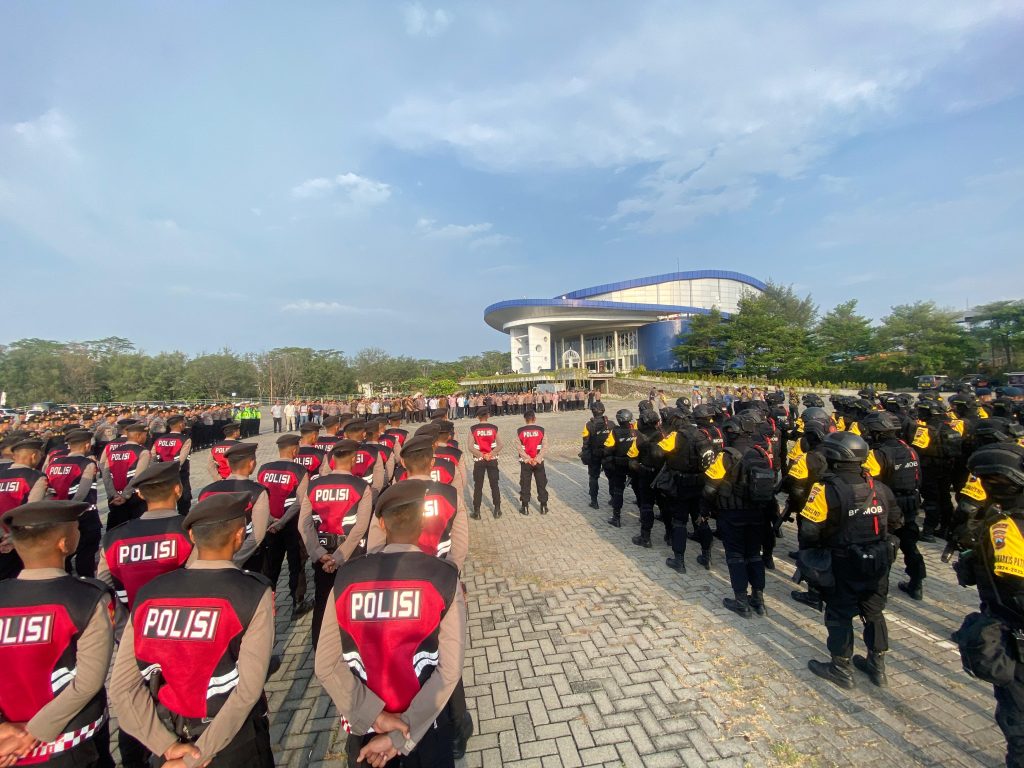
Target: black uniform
(592,454)
(940,447)
(617,446)
(896,464)
(688,453)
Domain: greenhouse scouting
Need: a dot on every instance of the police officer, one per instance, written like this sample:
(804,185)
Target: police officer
(618,445)
(595,432)
(308,455)
(286,482)
(175,446)
(72,477)
(531,450)
(991,642)
(687,453)
(423,619)
(120,463)
(739,490)
(138,551)
(848,514)
(216,463)
(369,463)
(644,467)
(326,439)
(20,483)
(46,718)
(333,520)
(940,447)
(189,674)
(896,464)
(485,446)
(241,460)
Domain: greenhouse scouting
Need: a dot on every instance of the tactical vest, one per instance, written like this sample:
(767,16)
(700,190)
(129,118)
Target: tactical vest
(394,436)
(902,470)
(597,432)
(188,628)
(325,442)
(310,458)
(689,451)
(142,549)
(64,475)
(484,436)
(440,505)
(121,462)
(334,499)
(366,457)
(441,471)
(168,447)
(454,455)
(714,435)
(281,479)
(250,487)
(617,456)
(16,485)
(217,451)
(390,624)
(861,517)
(531,437)
(41,623)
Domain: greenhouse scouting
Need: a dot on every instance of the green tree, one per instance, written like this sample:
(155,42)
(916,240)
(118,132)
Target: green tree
(999,326)
(216,376)
(842,336)
(927,338)
(770,332)
(705,342)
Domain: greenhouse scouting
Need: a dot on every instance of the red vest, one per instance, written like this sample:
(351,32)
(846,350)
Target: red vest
(113,445)
(335,499)
(532,438)
(217,452)
(310,458)
(63,475)
(325,442)
(441,471)
(142,549)
(367,455)
(440,508)
(394,436)
(40,625)
(15,486)
(484,436)
(281,479)
(389,608)
(121,462)
(168,447)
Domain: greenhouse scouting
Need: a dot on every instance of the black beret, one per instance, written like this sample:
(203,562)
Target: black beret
(355,426)
(309,426)
(44,513)
(344,446)
(158,473)
(175,419)
(330,421)
(402,494)
(396,416)
(136,426)
(72,427)
(125,422)
(418,444)
(31,444)
(284,441)
(241,451)
(217,508)
(445,426)
(377,422)
(232,426)
(431,430)
(78,436)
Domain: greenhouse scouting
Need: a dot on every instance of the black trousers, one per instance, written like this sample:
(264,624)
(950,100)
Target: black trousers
(1010,718)
(185,502)
(616,487)
(742,541)
(433,751)
(594,473)
(323,582)
(490,468)
(528,473)
(277,424)
(133,753)
(908,535)
(277,546)
(90,532)
(850,597)
(936,495)
(122,513)
(687,510)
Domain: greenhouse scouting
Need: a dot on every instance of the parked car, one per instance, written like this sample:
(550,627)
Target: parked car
(931,381)
(1015,379)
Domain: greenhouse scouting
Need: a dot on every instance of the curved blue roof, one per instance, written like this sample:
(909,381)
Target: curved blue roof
(667,309)
(669,277)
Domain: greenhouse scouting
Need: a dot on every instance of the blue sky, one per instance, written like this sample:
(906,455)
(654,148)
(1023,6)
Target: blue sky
(195,175)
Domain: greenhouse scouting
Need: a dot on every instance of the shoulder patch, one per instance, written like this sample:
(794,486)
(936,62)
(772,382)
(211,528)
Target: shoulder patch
(586,431)
(816,508)
(668,444)
(798,471)
(922,439)
(1007,548)
(717,469)
(973,489)
(854,428)
(871,464)
(609,442)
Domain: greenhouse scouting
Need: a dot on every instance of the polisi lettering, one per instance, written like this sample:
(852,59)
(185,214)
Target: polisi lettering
(277,477)
(385,604)
(10,486)
(531,433)
(181,623)
(331,494)
(430,508)
(61,469)
(26,630)
(147,551)
(121,457)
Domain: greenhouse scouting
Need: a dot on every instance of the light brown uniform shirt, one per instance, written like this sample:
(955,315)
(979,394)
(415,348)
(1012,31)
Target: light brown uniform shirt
(92,660)
(108,480)
(260,519)
(360,706)
(311,538)
(136,709)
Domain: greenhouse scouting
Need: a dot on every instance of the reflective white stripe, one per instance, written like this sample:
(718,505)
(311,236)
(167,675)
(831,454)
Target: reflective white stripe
(149,671)
(248,529)
(349,520)
(232,675)
(73,490)
(422,660)
(211,692)
(444,547)
(355,663)
(61,677)
(223,683)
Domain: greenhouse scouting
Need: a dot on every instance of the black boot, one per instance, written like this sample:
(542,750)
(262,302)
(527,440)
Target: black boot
(874,667)
(475,514)
(463,731)
(813,599)
(497,512)
(757,603)
(301,608)
(837,671)
(615,520)
(676,563)
(594,504)
(524,509)
(739,604)
(927,534)
(643,540)
(769,562)
(543,507)
(912,589)
(704,558)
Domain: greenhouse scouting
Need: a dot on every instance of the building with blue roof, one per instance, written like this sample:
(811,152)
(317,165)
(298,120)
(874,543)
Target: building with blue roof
(617,326)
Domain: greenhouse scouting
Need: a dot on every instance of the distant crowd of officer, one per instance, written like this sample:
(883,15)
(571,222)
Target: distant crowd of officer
(856,480)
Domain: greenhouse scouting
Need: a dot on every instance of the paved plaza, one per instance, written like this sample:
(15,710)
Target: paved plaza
(585,650)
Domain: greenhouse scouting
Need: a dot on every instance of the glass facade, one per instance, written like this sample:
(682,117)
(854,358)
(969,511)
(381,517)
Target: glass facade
(705,293)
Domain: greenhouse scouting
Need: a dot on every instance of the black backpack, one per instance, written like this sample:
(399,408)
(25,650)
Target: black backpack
(758,475)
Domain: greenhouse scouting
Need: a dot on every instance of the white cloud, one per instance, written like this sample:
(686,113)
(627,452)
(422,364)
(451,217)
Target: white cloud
(52,128)
(420,22)
(309,306)
(491,241)
(359,190)
(712,102)
(474,235)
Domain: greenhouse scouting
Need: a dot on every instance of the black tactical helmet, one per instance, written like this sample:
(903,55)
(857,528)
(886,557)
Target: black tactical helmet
(861,406)
(811,400)
(961,402)
(704,411)
(775,398)
(597,408)
(748,420)
(816,416)
(996,430)
(927,409)
(845,446)
(624,417)
(667,414)
(649,418)
(880,422)
(868,393)
(1003,459)
(644,405)
(1002,406)
(683,403)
